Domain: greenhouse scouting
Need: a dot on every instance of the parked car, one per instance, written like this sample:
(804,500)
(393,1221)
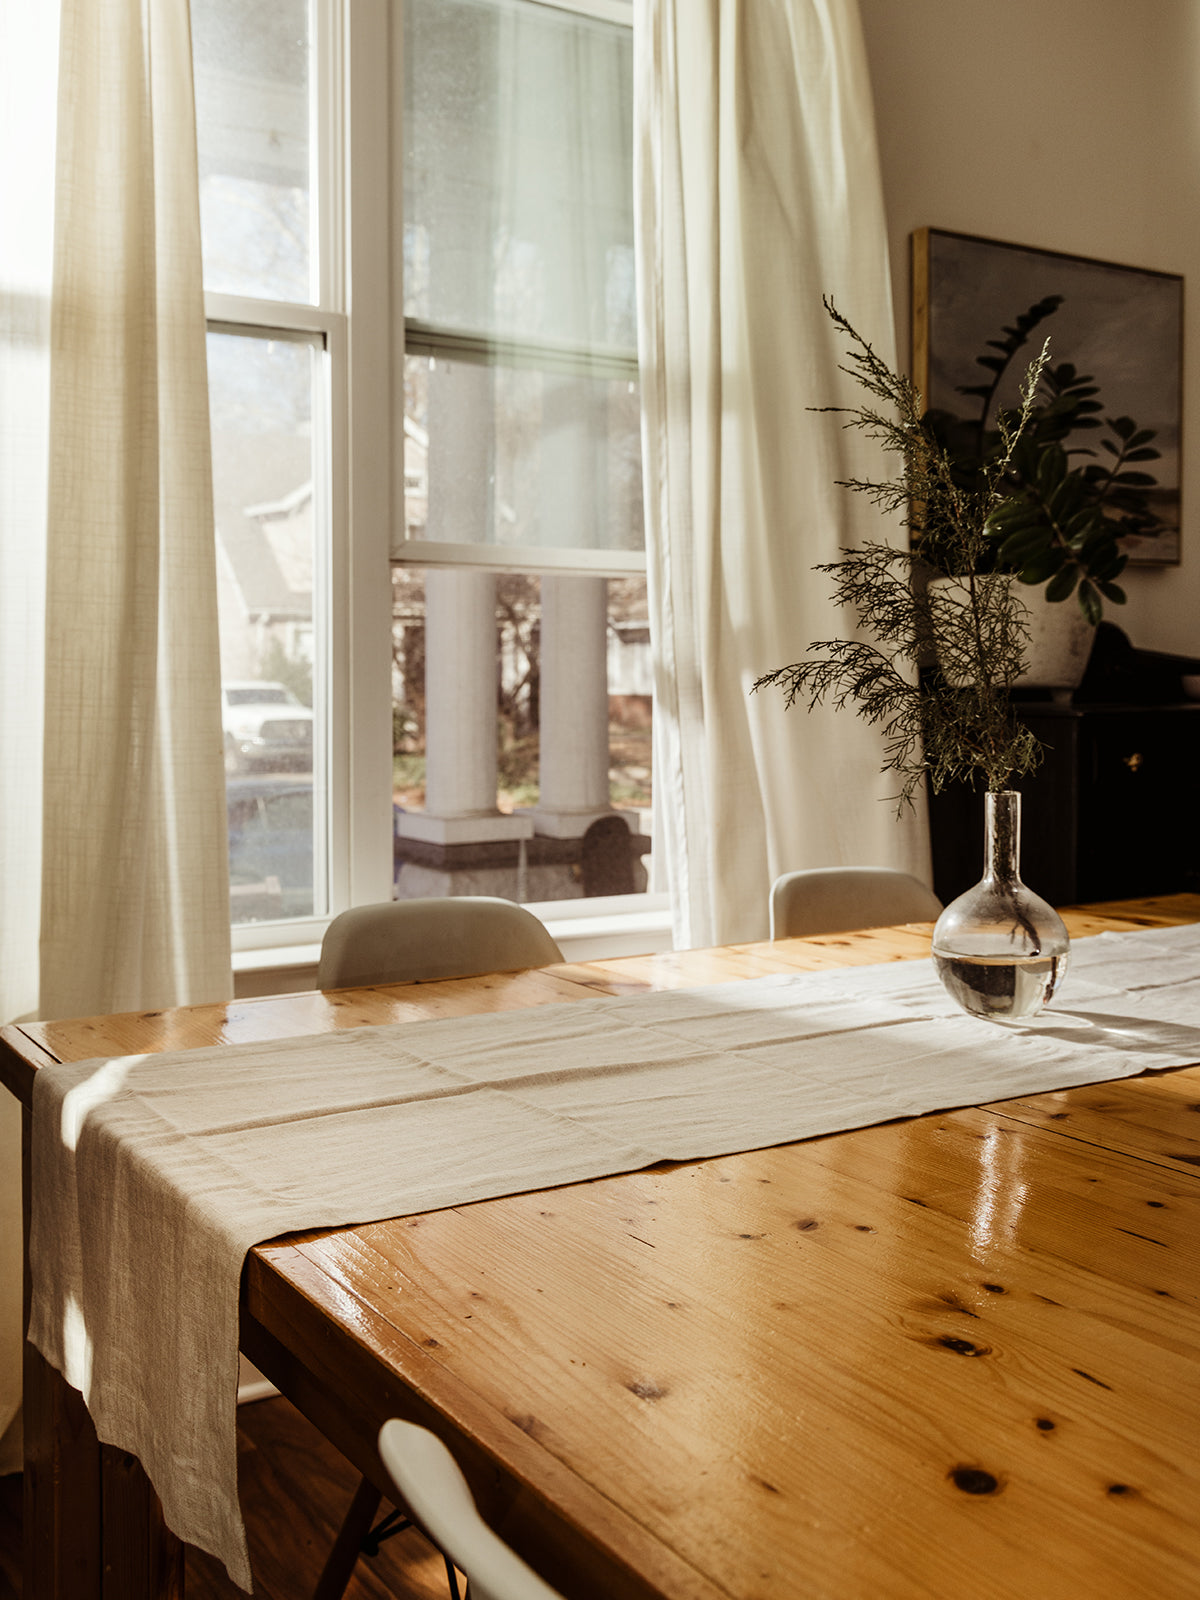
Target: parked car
(254,899)
(271,844)
(267,729)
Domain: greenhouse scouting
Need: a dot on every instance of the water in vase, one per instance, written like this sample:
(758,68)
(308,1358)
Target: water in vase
(1000,988)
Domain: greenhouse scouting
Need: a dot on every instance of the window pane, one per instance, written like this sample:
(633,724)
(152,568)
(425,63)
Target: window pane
(261,393)
(514,456)
(563,670)
(518,207)
(252,127)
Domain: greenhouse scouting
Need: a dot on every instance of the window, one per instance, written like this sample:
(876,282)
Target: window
(521,720)
(276,227)
(425,426)
(270,503)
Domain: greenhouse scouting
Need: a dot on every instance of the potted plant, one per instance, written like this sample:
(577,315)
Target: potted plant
(936,668)
(1059,525)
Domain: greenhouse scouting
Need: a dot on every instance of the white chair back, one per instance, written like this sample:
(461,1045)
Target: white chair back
(839,899)
(433,1488)
(405,941)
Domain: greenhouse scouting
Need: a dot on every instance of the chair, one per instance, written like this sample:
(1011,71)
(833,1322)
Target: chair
(838,899)
(432,1486)
(405,941)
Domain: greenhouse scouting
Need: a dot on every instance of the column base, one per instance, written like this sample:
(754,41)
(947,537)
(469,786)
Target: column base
(488,828)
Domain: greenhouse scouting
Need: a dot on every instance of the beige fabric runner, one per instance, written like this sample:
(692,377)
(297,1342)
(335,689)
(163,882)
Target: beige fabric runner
(153,1175)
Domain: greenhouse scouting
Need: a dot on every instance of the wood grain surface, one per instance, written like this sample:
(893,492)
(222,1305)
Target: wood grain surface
(953,1356)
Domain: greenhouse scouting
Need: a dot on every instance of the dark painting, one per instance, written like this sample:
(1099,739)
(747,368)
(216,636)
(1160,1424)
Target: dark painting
(1121,324)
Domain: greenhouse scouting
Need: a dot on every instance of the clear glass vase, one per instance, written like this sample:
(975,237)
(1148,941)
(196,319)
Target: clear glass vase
(1000,951)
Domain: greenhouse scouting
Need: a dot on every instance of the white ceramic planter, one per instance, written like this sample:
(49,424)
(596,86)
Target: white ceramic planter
(1060,639)
(1060,642)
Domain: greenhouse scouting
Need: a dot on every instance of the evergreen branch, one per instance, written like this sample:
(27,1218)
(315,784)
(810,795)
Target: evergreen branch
(937,677)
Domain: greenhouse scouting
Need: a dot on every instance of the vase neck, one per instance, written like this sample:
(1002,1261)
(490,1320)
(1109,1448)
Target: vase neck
(1002,836)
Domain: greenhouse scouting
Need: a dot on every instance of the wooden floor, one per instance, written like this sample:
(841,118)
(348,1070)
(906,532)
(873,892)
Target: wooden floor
(295,1488)
(10,1537)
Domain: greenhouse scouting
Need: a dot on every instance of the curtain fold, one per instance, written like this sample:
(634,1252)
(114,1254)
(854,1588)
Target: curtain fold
(135,898)
(757,191)
(113,842)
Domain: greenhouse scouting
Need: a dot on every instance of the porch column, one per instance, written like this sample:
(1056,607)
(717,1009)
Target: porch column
(573,724)
(460,716)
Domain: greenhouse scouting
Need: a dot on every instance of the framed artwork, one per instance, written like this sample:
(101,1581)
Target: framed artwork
(1122,325)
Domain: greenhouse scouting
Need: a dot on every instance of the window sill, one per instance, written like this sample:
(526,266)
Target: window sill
(609,928)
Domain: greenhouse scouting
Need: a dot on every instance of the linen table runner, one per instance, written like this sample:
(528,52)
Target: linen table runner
(153,1175)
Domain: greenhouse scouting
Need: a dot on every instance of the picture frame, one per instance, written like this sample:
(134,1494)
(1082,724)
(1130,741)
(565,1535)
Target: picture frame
(1121,324)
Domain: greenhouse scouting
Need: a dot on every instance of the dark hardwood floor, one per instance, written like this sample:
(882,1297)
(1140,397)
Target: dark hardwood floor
(10,1537)
(295,1489)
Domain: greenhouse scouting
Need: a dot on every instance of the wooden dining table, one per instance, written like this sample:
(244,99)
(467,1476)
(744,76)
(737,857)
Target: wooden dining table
(953,1357)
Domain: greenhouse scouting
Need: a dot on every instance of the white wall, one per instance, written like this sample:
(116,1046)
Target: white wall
(1064,125)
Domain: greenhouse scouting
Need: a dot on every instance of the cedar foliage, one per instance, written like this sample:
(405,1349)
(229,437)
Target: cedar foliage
(937,676)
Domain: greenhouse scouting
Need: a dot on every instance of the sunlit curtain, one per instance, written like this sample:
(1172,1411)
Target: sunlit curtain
(758,192)
(135,890)
(28,48)
(115,859)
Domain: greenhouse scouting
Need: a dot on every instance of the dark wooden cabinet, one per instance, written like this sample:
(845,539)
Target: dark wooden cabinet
(1113,811)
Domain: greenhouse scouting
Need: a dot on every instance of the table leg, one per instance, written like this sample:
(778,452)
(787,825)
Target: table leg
(143,1560)
(63,1559)
(93,1527)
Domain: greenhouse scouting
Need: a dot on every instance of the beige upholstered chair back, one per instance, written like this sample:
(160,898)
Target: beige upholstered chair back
(838,899)
(434,1490)
(403,941)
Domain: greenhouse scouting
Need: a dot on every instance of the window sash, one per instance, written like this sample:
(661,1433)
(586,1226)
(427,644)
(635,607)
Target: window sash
(357,57)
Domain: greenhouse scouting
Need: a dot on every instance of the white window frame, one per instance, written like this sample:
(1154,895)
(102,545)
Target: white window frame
(356,139)
(350,176)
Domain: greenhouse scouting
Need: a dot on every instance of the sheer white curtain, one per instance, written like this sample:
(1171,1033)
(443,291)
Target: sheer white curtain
(28,49)
(757,191)
(116,859)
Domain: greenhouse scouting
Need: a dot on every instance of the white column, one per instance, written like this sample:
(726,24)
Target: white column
(573,722)
(460,715)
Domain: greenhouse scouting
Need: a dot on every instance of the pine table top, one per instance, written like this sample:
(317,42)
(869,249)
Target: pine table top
(949,1356)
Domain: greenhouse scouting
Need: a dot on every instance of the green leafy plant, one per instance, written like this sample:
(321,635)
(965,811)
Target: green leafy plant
(1061,520)
(936,667)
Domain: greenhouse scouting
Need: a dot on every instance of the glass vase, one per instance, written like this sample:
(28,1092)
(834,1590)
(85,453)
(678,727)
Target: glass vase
(1000,951)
